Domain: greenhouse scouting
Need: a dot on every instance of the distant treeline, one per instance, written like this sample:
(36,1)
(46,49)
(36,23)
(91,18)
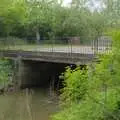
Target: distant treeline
(46,19)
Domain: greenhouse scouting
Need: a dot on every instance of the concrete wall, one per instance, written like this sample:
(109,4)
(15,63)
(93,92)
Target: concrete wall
(39,74)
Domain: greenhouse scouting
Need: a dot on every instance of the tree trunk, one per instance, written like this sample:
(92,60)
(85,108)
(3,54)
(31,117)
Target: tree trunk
(37,36)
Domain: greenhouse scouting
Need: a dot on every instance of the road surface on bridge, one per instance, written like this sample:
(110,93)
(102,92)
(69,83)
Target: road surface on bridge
(63,49)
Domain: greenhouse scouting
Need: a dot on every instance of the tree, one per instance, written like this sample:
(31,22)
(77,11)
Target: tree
(112,13)
(39,18)
(13,13)
(49,18)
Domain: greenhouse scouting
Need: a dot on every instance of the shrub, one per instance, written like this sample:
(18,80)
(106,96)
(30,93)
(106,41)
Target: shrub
(5,72)
(100,89)
(75,85)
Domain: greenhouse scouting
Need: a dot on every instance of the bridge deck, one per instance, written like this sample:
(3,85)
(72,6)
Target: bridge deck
(58,57)
(60,48)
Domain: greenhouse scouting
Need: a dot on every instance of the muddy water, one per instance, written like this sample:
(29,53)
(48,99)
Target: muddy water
(35,104)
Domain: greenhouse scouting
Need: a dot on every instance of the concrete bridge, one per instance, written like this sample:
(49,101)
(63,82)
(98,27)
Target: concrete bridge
(42,68)
(55,57)
(59,53)
(41,65)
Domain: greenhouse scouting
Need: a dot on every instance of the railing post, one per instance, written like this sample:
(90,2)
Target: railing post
(71,47)
(52,44)
(96,46)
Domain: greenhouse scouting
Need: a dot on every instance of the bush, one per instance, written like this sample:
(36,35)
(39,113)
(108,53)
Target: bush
(5,72)
(75,85)
(99,86)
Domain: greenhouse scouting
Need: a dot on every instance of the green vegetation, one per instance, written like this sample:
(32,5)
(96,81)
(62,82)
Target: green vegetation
(93,93)
(36,20)
(75,86)
(5,73)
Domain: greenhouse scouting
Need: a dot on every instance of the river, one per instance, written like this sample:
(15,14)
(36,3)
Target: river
(35,104)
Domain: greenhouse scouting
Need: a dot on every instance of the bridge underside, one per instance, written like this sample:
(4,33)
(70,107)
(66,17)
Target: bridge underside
(40,74)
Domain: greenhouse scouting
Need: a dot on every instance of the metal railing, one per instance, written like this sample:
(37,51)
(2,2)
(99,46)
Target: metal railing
(69,45)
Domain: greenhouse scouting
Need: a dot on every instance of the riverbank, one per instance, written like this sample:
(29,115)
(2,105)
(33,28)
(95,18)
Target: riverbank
(6,75)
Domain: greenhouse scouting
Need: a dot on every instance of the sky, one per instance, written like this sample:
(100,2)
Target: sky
(96,4)
(67,2)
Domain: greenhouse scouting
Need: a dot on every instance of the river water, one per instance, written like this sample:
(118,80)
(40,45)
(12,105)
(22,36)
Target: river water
(35,104)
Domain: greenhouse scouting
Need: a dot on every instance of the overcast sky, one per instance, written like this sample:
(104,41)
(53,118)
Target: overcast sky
(96,4)
(67,2)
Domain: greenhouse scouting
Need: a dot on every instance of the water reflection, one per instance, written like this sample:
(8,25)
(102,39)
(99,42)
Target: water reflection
(35,104)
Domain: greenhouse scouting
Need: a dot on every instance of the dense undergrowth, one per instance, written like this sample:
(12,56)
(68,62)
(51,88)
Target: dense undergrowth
(93,93)
(5,73)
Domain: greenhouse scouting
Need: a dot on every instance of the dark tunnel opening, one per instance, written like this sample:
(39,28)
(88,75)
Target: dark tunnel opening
(37,74)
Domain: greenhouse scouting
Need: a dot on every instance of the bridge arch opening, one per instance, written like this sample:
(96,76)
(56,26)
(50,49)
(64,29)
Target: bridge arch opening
(36,74)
